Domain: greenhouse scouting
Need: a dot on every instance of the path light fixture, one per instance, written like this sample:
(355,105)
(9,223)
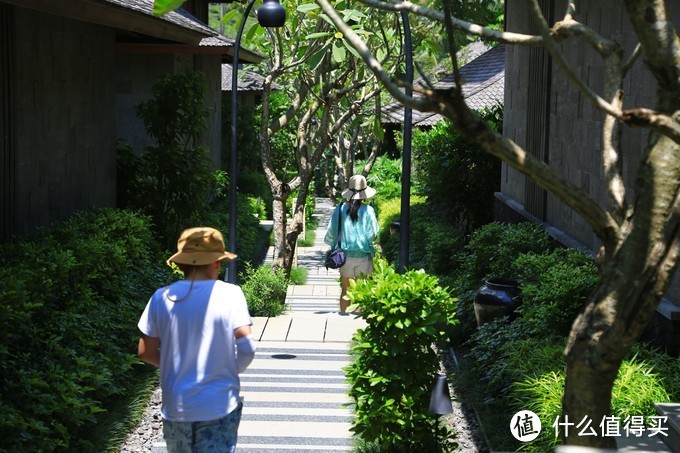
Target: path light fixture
(270,15)
(440,401)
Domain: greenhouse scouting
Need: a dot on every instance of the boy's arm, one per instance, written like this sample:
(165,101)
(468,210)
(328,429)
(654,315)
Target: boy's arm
(245,348)
(147,350)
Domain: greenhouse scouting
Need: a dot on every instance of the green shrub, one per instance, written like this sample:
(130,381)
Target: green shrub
(251,239)
(385,178)
(72,296)
(389,211)
(491,253)
(499,351)
(170,182)
(394,366)
(298,276)
(265,290)
(666,366)
(458,178)
(258,208)
(493,248)
(435,243)
(555,286)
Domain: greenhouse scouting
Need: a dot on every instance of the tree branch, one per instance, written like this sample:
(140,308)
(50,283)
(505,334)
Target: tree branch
(470,28)
(476,131)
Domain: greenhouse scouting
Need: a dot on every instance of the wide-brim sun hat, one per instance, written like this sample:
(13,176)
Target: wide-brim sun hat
(358,189)
(199,246)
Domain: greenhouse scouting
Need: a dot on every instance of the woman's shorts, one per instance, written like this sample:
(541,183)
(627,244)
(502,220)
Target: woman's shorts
(357,267)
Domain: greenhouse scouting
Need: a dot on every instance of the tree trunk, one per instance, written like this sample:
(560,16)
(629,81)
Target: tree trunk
(631,284)
(283,256)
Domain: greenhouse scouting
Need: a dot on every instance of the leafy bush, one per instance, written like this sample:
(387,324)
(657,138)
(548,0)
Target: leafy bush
(251,239)
(387,211)
(493,248)
(395,364)
(555,286)
(170,182)
(265,290)
(258,208)
(385,178)
(498,355)
(491,253)
(458,178)
(71,301)
(664,365)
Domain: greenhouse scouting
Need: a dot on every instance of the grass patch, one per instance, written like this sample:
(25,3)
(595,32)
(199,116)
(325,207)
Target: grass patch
(310,233)
(121,419)
(298,276)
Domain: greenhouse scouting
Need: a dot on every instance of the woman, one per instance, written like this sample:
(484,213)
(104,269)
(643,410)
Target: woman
(358,230)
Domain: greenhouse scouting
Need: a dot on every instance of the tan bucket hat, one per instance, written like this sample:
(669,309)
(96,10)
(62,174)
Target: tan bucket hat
(358,188)
(199,246)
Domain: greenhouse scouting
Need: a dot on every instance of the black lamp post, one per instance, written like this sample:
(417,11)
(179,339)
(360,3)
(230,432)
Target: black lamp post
(270,14)
(405,224)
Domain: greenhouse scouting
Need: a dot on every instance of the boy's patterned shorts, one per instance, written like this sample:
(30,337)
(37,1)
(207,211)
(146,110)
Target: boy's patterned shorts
(213,435)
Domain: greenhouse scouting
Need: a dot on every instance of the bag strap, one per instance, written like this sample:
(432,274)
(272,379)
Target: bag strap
(340,225)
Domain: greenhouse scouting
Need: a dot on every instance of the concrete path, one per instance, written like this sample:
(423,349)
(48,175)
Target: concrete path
(294,392)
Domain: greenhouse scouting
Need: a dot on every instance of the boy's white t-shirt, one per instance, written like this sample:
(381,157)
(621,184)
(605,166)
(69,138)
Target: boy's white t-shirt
(199,376)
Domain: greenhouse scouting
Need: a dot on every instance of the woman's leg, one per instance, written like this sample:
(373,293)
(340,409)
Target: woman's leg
(344,301)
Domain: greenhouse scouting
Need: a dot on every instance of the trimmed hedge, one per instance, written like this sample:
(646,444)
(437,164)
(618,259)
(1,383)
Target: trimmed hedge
(68,326)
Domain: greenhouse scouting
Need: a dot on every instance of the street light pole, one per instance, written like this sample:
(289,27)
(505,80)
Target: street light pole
(405,221)
(270,14)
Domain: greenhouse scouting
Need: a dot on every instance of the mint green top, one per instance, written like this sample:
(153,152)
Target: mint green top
(357,237)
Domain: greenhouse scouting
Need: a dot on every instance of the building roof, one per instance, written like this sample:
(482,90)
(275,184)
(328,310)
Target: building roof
(248,81)
(226,47)
(134,16)
(483,83)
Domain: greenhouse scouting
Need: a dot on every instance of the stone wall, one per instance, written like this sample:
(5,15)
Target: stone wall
(64,118)
(574,142)
(138,73)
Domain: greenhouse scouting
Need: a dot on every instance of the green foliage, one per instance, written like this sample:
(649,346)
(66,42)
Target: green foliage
(491,252)
(458,178)
(298,276)
(251,239)
(254,184)
(395,364)
(664,365)
(434,243)
(555,286)
(71,301)
(258,208)
(265,290)
(389,211)
(635,391)
(385,178)
(493,248)
(310,233)
(171,182)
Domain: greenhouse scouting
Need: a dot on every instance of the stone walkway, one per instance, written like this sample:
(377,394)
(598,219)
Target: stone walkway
(295,392)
